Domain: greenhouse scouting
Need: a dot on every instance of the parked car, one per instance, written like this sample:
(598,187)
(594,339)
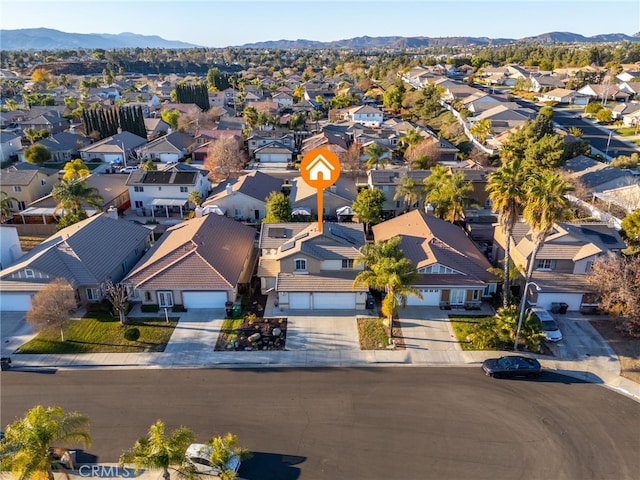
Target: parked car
(198,454)
(512,366)
(128,169)
(548,324)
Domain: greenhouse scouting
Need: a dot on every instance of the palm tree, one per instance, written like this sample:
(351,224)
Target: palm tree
(195,197)
(224,448)
(506,192)
(481,129)
(375,154)
(546,204)
(409,192)
(158,450)
(75,169)
(410,139)
(5,206)
(447,193)
(388,270)
(24,450)
(71,194)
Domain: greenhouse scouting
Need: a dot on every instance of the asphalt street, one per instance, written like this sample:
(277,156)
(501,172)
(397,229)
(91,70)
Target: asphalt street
(357,423)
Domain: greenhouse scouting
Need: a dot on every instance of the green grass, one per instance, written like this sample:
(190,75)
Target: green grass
(626,131)
(372,334)
(463,327)
(102,333)
(228,332)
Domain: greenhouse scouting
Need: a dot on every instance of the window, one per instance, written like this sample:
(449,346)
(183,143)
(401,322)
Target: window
(92,294)
(588,267)
(16,188)
(301,265)
(43,182)
(138,189)
(184,189)
(21,205)
(139,204)
(159,188)
(347,263)
(544,264)
(29,273)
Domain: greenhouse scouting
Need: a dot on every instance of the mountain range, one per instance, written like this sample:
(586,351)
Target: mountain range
(49,39)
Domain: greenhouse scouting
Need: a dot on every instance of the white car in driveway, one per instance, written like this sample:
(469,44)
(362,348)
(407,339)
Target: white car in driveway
(198,457)
(549,326)
(128,169)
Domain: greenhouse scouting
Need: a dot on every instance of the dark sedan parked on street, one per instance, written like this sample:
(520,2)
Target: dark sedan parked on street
(512,366)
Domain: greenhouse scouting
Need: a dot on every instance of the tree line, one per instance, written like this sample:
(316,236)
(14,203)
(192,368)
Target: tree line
(108,122)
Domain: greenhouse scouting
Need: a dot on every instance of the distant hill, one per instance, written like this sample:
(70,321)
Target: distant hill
(49,39)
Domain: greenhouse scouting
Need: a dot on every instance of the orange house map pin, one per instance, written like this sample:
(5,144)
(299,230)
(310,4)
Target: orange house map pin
(320,168)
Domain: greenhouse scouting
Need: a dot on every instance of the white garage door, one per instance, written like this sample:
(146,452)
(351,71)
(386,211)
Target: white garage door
(430,298)
(204,299)
(334,301)
(15,302)
(299,301)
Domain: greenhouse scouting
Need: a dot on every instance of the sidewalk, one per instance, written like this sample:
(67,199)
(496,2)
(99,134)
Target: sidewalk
(429,342)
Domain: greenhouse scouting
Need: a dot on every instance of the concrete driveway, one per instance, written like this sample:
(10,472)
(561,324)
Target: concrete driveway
(322,330)
(427,328)
(14,331)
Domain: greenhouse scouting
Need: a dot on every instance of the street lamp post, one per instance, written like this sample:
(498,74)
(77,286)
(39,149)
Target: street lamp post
(523,303)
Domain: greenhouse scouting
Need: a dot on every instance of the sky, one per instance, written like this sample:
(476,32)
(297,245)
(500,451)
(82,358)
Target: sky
(213,23)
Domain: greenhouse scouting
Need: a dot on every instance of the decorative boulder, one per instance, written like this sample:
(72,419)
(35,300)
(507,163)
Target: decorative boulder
(255,337)
(276,332)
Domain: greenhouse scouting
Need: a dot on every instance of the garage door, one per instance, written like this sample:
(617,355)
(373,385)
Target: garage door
(430,297)
(299,301)
(334,301)
(15,302)
(204,299)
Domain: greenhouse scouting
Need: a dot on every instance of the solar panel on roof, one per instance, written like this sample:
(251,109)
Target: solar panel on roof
(277,232)
(301,236)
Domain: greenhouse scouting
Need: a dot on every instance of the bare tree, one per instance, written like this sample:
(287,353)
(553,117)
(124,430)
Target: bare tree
(225,159)
(424,155)
(617,280)
(118,297)
(351,162)
(51,306)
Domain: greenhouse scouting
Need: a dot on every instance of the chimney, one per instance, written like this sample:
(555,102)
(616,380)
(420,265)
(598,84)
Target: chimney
(286,188)
(229,189)
(113,212)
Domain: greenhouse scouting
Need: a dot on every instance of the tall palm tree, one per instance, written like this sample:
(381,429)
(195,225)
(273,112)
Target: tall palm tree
(546,204)
(224,448)
(409,192)
(24,450)
(71,194)
(481,129)
(5,205)
(158,450)
(447,193)
(388,270)
(506,192)
(375,154)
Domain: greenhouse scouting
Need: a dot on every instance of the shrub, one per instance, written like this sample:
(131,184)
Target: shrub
(178,308)
(132,334)
(150,308)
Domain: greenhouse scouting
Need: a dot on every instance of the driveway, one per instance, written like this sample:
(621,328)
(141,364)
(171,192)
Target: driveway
(322,330)
(14,331)
(427,328)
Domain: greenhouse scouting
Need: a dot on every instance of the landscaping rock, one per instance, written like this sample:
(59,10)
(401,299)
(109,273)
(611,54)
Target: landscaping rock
(276,332)
(255,337)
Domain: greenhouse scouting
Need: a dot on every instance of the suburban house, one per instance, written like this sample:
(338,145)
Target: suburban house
(110,187)
(244,198)
(602,92)
(304,197)
(365,115)
(173,147)
(200,263)
(453,270)
(51,121)
(309,269)
(563,95)
(166,190)
(155,127)
(274,152)
(10,143)
(388,181)
(597,176)
(86,254)
(625,197)
(63,147)
(563,262)
(26,182)
(260,138)
(113,149)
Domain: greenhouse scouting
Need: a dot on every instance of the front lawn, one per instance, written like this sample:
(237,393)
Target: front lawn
(372,334)
(465,326)
(626,131)
(101,333)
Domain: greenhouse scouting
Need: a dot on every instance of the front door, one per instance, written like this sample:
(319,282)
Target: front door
(457,296)
(165,299)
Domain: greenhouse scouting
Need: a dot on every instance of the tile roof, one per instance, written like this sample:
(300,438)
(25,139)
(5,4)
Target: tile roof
(336,241)
(427,240)
(256,185)
(85,253)
(23,173)
(203,253)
